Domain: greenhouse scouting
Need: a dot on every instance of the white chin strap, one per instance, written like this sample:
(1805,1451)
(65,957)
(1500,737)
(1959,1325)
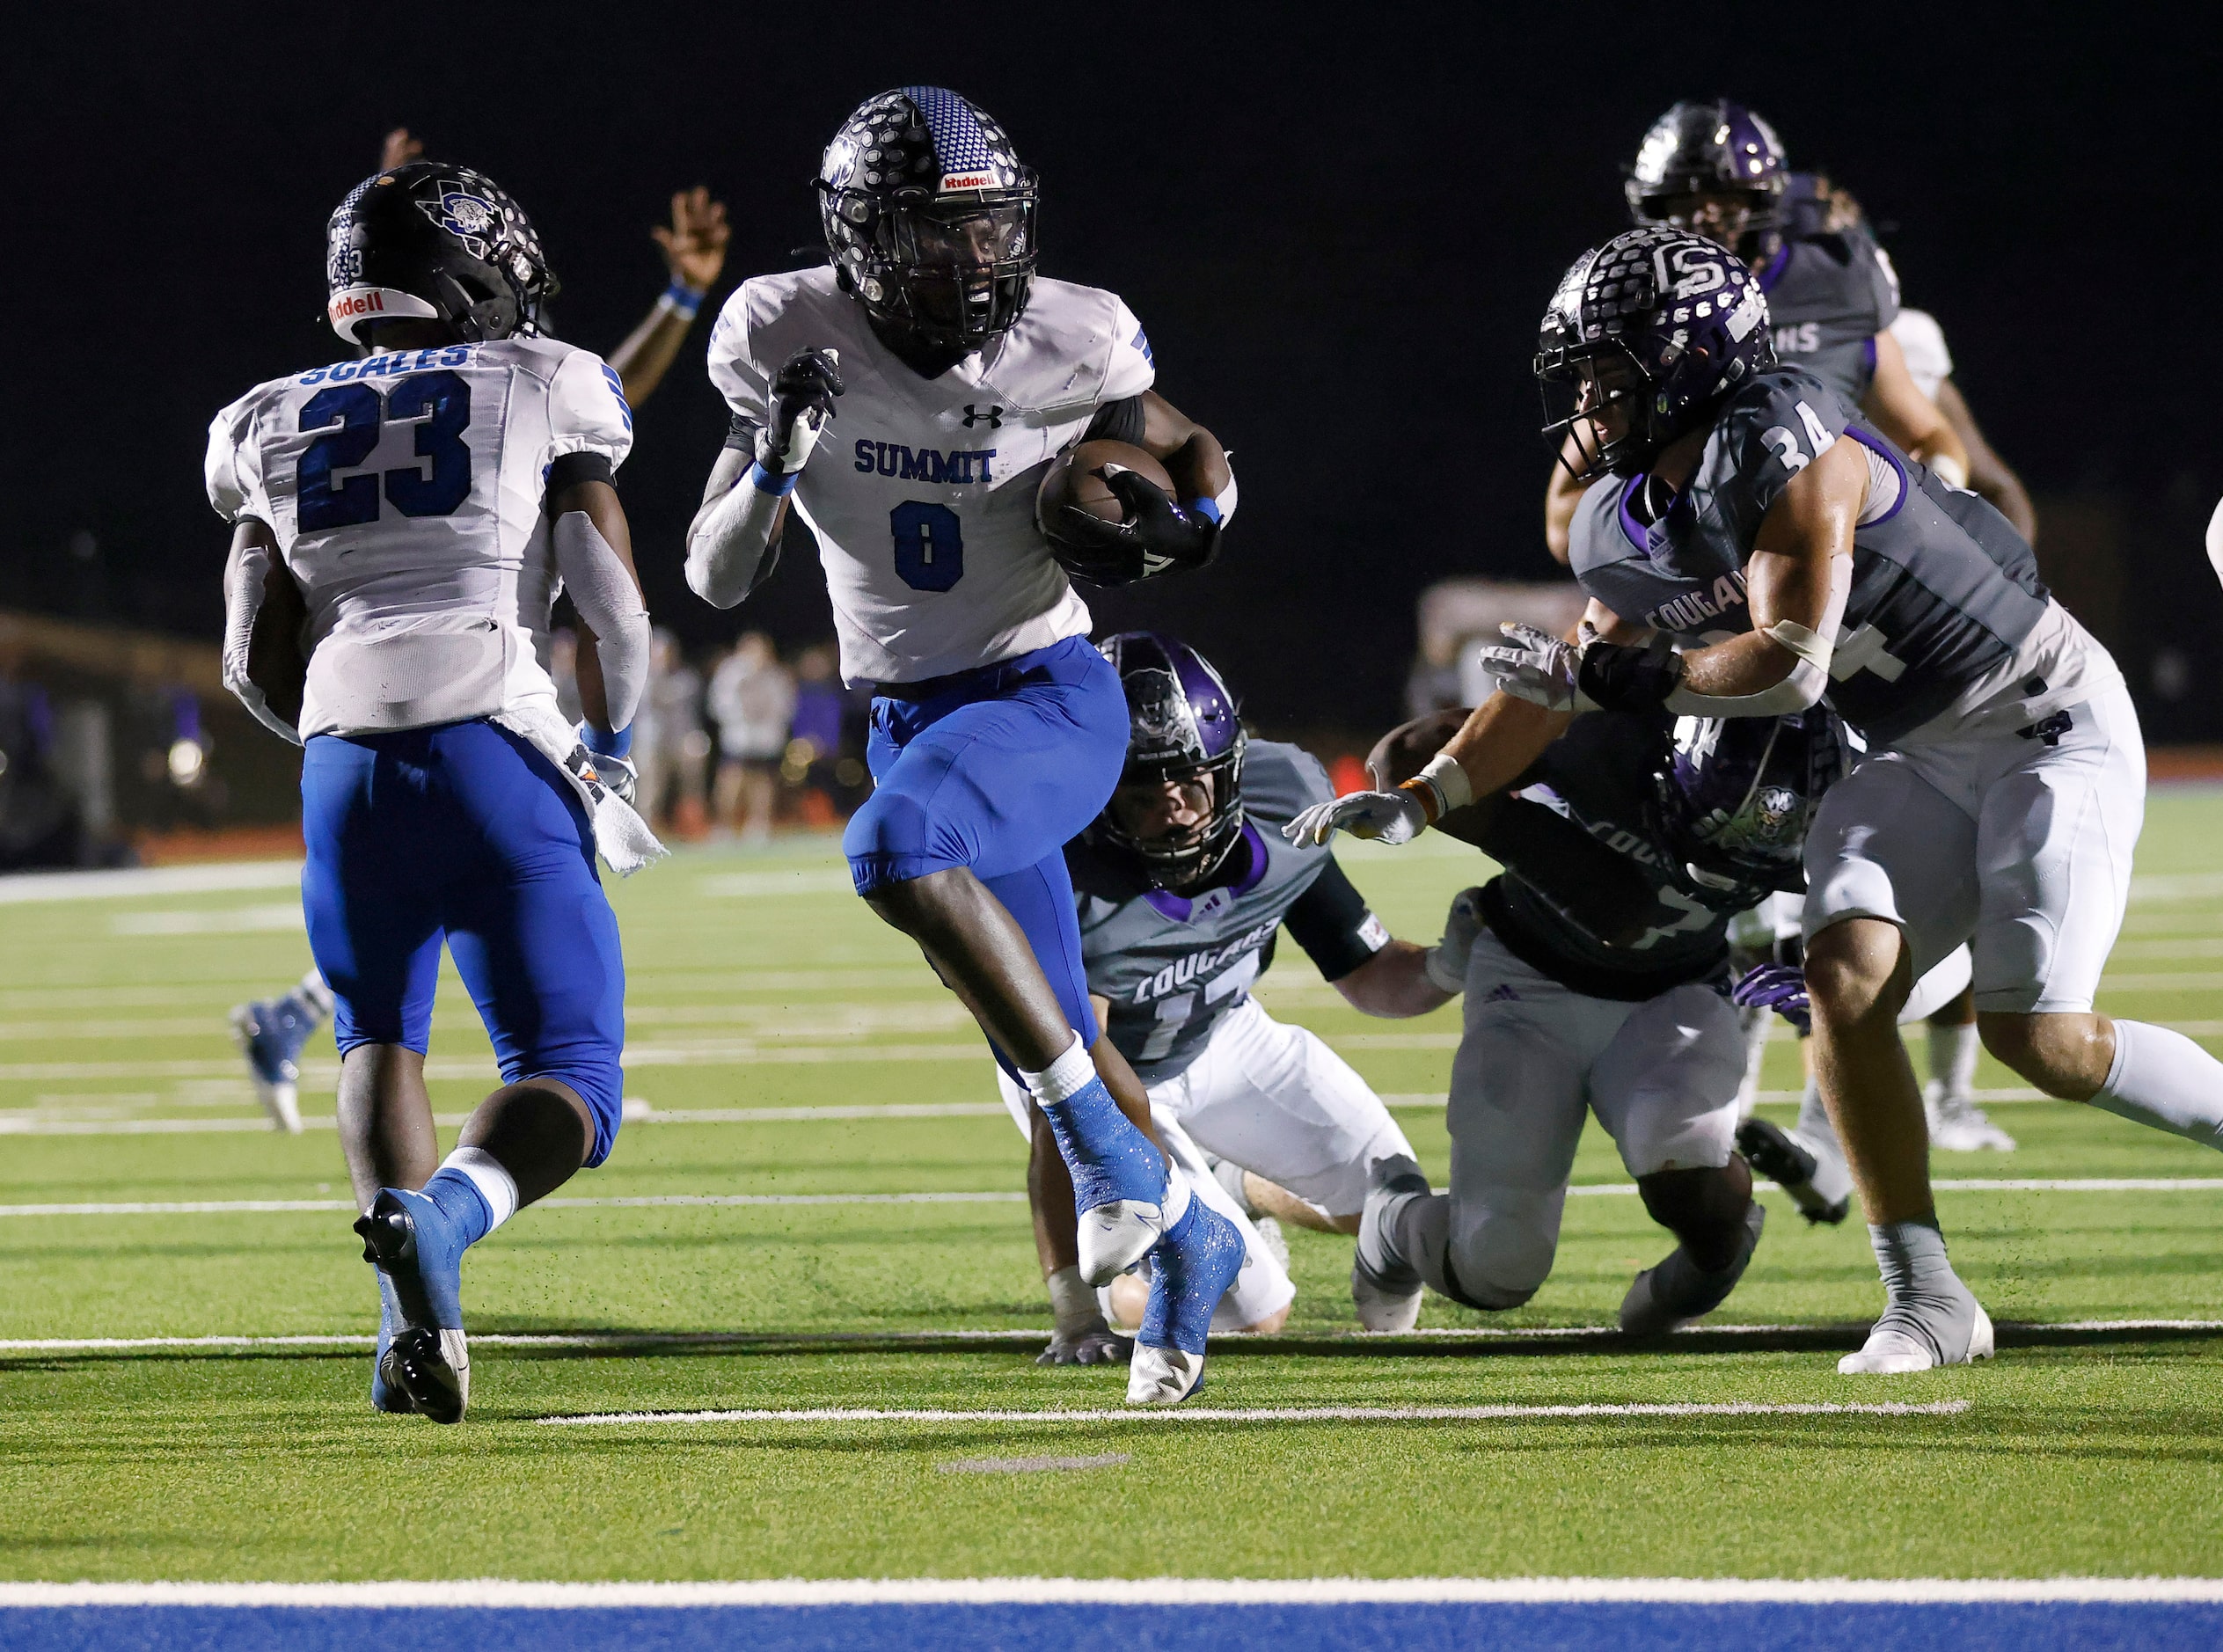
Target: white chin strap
(351,307)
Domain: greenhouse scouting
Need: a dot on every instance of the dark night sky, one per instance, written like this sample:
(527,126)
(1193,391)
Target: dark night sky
(1338,239)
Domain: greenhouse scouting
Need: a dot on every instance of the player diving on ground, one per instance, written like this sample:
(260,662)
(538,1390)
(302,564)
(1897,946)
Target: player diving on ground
(1182,885)
(402,523)
(906,398)
(1749,548)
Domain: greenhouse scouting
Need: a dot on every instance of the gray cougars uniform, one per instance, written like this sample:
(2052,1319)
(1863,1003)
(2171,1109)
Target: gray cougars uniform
(2005,781)
(1224,1077)
(1598,987)
(1828,297)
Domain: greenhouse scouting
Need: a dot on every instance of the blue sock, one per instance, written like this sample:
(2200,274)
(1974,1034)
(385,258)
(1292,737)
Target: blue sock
(466,1208)
(1109,1159)
(1191,1267)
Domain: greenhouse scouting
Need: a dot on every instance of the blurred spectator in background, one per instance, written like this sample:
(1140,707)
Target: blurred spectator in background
(670,747)
(814,742)
(752,696)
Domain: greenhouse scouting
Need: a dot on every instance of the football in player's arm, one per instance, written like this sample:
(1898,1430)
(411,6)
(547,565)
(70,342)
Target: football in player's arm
(1183,886)
(907,397)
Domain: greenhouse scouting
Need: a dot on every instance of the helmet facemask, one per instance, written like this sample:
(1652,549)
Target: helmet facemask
(1597,409)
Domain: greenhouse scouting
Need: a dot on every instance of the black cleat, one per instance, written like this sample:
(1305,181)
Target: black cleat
(1776,1154)
(1674,1293)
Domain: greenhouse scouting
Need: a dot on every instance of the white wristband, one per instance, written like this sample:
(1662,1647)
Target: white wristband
(1443,772)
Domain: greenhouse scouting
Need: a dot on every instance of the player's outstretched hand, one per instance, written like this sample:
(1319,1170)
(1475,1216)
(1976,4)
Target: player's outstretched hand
(802,399)
(1446,960)
(1533,665)
(694,245)
(1155,537)
(1389,817)
(1778,987)
(1097,1345)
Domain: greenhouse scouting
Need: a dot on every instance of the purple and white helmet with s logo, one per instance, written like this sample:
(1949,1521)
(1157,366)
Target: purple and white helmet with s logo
(1667,322)
(1182,727)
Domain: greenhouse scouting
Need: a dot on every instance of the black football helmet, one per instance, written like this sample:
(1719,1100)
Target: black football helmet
(1181,726)
(930,218)
(1664,321)
(435,242)
(1712,148)
(1737,793)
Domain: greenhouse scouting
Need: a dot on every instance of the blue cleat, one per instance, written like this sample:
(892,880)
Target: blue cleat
(386,1391)
(1190,1271)
(270,1032)
(1119,1181)
(419,1251)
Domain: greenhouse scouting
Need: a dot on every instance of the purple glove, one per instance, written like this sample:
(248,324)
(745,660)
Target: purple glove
(1778,987)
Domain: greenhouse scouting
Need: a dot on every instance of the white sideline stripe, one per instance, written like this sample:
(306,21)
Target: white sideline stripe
(1611,1189)
(1285,1413)
(45,1124)
(1120,1591)
(20,888)
(250,1207)
(697,1339)
(222,920)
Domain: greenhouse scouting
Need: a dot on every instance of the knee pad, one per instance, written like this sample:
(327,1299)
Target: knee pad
(889,840)
(1488,1299)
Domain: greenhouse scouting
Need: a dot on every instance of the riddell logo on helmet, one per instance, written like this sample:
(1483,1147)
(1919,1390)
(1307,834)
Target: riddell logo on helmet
(967,180)
(353,306)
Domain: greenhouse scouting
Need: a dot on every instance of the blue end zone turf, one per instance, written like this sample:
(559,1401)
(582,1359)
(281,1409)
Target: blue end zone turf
(1356,1626)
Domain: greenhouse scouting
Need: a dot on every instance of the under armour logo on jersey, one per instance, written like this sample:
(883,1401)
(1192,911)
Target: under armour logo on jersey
(993,418)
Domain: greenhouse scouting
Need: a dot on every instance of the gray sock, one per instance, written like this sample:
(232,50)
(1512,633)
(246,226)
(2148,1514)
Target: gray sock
(1925,1298)
(1813,1116)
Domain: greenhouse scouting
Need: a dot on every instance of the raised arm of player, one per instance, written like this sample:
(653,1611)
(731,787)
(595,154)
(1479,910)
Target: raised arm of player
(694,249)
(1990,475)
(735,540)
(1896,406)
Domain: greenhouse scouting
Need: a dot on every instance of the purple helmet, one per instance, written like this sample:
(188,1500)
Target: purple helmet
(1667,322)
(929,216)
(1712,148)
(1737,793)
(1181,726)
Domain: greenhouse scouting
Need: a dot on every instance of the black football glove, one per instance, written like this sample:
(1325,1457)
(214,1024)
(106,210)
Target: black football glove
(1156,536)
(802,399)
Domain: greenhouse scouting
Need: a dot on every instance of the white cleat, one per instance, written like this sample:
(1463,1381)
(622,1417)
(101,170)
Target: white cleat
(1113,1236)
(1381,1310)
(282,1103)
(1957,1125)
(1894,1351)
(1163,1376)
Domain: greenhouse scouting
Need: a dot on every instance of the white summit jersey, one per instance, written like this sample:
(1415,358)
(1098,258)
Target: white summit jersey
(1922,341)
(405,491)
(921,492)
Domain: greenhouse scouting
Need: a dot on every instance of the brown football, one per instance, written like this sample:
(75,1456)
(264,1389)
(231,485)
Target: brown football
(1077,478)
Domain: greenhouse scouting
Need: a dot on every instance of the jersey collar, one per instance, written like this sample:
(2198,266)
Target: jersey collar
(1185,908)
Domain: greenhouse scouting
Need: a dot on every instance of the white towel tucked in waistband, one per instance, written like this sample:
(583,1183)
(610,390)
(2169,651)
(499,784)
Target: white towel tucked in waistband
(621,835)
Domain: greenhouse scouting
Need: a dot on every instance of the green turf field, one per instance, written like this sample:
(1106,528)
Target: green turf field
(758,983)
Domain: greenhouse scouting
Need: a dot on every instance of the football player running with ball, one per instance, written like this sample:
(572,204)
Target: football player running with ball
(906,399)
(406,519)
(1183,884)
(1741,513)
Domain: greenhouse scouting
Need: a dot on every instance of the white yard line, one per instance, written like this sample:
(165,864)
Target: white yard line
(1593,1189)
(1017,1337)
(1121,1591)
(26,886)
(1286,1414)
(257,1207)
(46,1122)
